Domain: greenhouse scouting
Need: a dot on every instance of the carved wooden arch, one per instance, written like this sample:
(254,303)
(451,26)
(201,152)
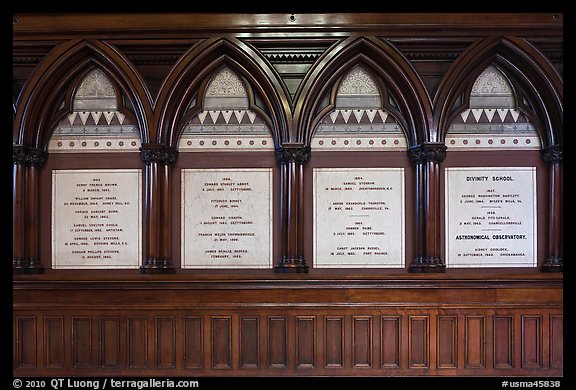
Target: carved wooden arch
(530,74)
(199,64)
(37,107)
(381,59)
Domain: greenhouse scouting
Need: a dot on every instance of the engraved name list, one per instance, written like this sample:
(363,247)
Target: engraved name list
(96,218)
(491,217)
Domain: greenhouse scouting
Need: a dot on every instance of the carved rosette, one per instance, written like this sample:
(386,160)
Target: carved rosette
(428,153)
(292,265)
(28,156)
(292,153)
(552,154)
(158,153)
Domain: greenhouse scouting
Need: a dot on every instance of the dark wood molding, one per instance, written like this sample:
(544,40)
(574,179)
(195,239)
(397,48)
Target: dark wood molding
(157,212)
(25,208)
(535,79)
(292,157)
(383,60)
(203,60)
(290,319)
(554,262)
(427,158)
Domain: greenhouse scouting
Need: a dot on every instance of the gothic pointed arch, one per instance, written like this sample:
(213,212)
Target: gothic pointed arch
(187,83)
(48,90)
(388,65)
(536,86)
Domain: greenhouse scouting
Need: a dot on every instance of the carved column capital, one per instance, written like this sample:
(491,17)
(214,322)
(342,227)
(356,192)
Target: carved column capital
(293,152)
(552,154)
(151,152)
(28,156)
(427,152)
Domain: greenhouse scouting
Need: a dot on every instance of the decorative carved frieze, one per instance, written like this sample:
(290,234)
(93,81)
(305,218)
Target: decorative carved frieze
(552,154)
(427,153)
(158,153)
(28,156)
(296,153)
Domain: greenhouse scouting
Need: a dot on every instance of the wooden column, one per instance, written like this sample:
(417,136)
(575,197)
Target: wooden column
(427,158)
(25,209)
(554,262)
(292,158)
(157,254)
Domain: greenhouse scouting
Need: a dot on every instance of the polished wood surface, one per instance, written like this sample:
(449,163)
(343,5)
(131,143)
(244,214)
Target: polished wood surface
(162,320)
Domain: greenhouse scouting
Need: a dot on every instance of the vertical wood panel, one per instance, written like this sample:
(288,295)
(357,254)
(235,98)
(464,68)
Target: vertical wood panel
(54,342)
(556,342)
(249,336)
(165,335)
(446,342)
(503,341)
(221,342)
(306,342)
(109,342)
(193,342)
(531,341)
(474,342)
(277,339)
(362,341)
(137,342)
(333,342)
(418,347)
(390,341)
(26,342)
(82,342)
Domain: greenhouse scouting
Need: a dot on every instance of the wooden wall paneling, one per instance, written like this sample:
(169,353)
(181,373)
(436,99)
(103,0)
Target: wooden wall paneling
(531,341)
(334,342)
(503,341)
(362,341)
(54,341)
(193,342)
(137,342)
(83,354)
(474,341)
(391,341)
(277,342)
(109,342)
(418,341)
(447,341)
(556,341)
(249,342)
(221,342)
(305,342)
(26,341)
(518,332)
(165,341)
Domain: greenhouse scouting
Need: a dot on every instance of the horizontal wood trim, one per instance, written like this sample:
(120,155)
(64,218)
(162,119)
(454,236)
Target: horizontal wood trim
(170,22)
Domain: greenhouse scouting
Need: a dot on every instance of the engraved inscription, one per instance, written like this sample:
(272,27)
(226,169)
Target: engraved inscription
(96,218)
(491,217)
(227,218)
(358,217)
